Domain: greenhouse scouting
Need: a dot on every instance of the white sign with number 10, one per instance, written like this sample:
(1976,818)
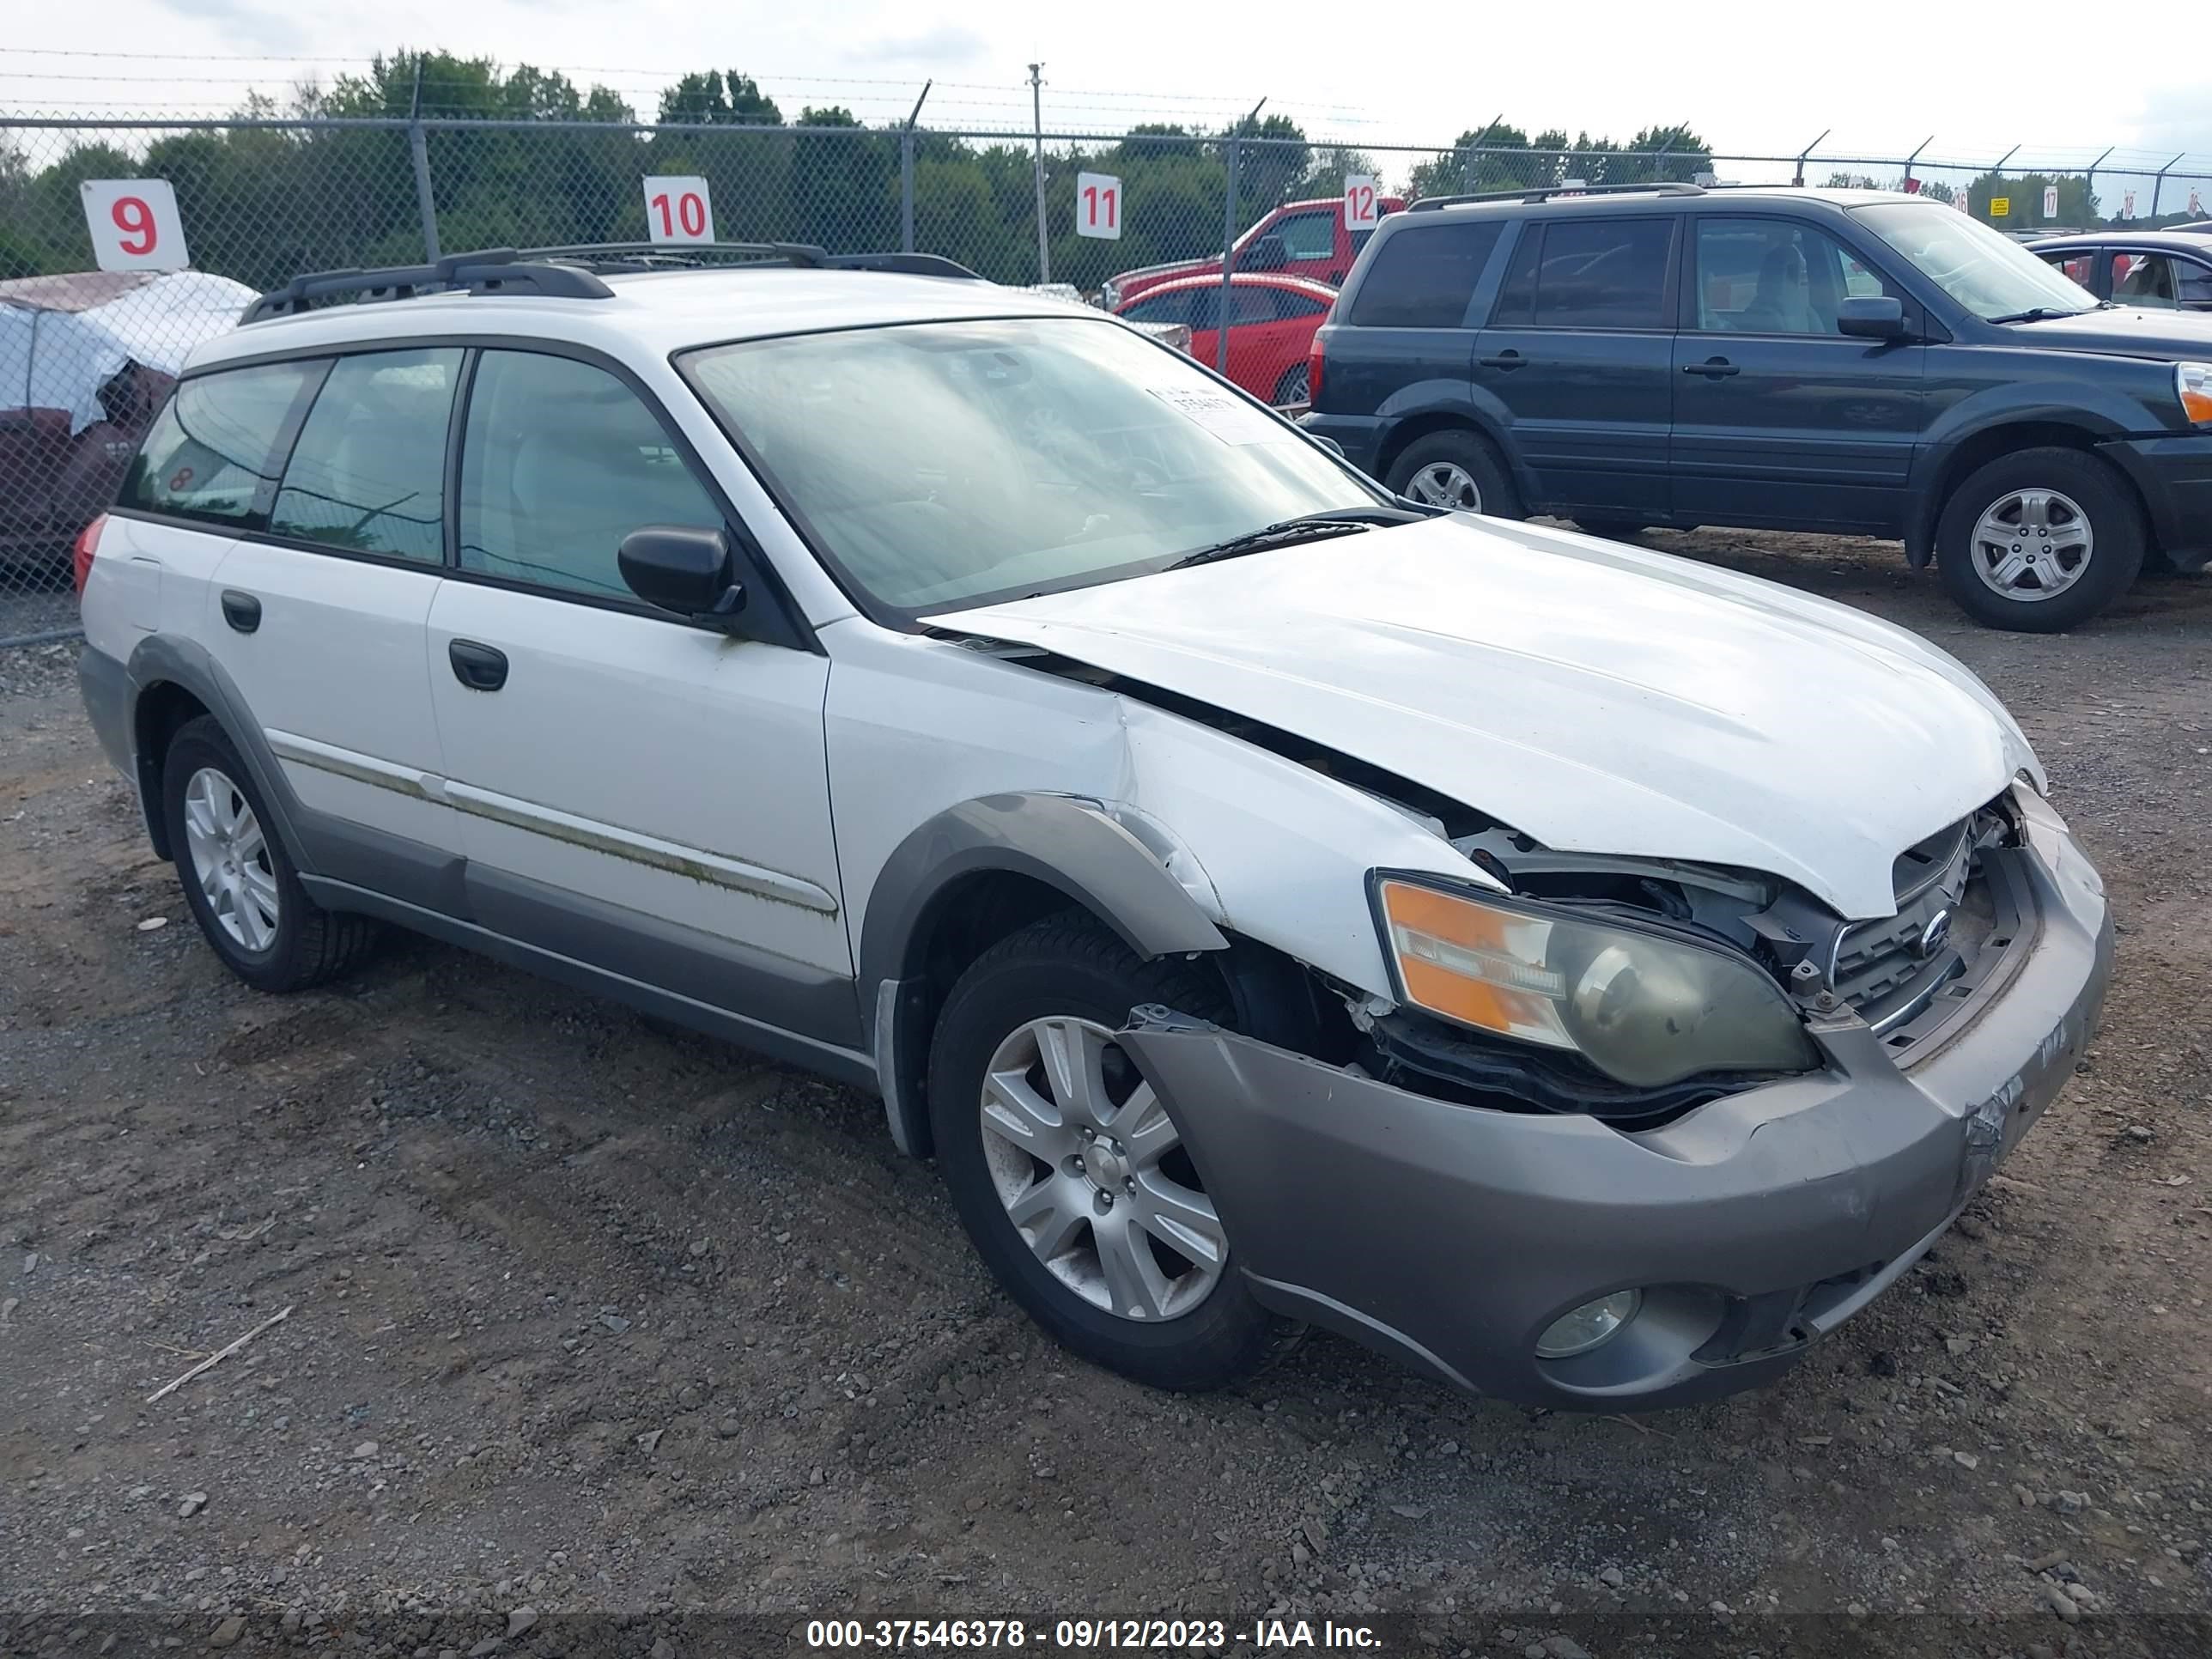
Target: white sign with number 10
(134,224)
(679,209)
(1099,205)
(1361,211)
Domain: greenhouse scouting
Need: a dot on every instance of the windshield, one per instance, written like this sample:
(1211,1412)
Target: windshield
(1984,269)
(944,465)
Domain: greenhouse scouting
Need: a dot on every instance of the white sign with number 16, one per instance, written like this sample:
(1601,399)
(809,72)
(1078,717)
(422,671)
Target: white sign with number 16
(678,208)
(1361,211)
(1099,205)
(134,224)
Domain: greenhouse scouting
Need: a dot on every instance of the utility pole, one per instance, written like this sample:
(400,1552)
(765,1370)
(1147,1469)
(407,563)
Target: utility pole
(1036,112)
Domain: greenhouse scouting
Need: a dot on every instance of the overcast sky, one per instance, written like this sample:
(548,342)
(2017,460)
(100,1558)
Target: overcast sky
(1758,78)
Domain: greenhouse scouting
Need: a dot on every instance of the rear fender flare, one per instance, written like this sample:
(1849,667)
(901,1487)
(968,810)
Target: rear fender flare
(163,658)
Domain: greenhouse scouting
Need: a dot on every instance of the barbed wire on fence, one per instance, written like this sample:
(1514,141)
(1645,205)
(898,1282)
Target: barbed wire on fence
(86,356)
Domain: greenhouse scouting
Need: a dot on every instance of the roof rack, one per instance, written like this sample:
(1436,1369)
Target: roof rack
(1665,187)
(570,272)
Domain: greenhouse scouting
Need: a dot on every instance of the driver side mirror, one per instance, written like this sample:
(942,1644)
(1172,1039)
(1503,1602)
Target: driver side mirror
(684,570)
(1268,253)
(1871,317)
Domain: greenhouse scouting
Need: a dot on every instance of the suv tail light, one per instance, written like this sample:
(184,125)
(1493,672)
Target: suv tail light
(80,555)
(1315,355)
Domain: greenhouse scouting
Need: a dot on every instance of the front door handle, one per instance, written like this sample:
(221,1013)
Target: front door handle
(241,610)
(1713,369)
(479,667)
(1504,360)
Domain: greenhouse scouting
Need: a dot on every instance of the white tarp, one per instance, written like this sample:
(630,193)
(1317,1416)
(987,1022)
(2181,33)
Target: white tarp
(58,359)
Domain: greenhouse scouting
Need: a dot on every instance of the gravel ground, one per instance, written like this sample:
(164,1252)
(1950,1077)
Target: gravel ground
(601,1339)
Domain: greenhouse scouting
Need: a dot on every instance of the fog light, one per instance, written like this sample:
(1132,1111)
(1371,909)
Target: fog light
(1590,1326)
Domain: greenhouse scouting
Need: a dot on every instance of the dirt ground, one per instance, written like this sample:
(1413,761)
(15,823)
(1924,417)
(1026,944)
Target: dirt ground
(604,1340)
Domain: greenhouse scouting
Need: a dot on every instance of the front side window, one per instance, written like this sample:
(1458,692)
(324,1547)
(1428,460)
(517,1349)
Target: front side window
(1425,276)
(369,473)
(559,462)
(1591,273)
(2148,281)
(1981,269)
(1306,235)
(942,464)
(1173,306)
(1774,276)
(214,452)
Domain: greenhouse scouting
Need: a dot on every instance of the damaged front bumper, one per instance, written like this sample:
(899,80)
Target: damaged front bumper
(1452,1235)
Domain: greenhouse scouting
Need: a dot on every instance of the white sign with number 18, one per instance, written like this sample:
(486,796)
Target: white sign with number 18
(134,224)
(678,208)
(1099,205)
(1361,211)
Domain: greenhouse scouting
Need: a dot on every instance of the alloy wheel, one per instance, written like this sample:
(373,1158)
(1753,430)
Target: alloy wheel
(1446,484)
(2032,545)
(230,859)
(1093,1173)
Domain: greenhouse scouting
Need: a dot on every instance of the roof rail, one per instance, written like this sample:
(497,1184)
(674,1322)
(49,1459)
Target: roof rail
(1664,187)
(487,271)
(570,272)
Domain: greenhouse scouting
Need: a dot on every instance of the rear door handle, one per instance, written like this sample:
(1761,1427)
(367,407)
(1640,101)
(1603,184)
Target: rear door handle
(1713,369)
(1504,360)
(479,667)
(241,610)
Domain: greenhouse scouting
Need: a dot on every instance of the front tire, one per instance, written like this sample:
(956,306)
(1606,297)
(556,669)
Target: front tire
(1068,1170)
(239,882)
(1613,530)
(2038,541)
(1457,469)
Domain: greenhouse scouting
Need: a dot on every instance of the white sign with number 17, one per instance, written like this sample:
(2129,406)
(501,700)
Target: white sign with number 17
(1099,205)
(134,224)
(678,208)
(1361,211)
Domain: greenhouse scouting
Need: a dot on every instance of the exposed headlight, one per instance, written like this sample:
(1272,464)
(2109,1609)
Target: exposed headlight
(1641,1007)
(2193,381)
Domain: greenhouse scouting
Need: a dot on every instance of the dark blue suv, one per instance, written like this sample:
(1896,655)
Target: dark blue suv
(1832,361)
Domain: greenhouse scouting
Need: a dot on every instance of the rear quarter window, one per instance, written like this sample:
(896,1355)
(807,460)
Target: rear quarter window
(1424,276)
(214,452)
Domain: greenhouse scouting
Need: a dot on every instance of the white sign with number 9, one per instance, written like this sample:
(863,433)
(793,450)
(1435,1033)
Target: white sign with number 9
(679,209)
(1099,205)
(1361,210)
(134,224)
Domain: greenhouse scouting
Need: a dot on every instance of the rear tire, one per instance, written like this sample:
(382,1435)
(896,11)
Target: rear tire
(1459,470)
(1291,388)
(2039,541)
(240,882)
(1067,979)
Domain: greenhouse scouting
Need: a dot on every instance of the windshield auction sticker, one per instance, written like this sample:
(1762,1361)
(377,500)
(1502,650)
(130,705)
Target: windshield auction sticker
(1227,417)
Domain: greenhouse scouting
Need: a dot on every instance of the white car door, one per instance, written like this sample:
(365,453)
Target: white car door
(637,792)
(317,612)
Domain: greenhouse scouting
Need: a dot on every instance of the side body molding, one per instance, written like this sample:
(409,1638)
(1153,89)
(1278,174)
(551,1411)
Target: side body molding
(1064,842)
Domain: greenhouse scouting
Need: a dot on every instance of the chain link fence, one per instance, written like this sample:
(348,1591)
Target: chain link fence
(87,355)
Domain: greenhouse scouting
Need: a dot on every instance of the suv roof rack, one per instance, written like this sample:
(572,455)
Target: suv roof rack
(570,272)
(1664,187)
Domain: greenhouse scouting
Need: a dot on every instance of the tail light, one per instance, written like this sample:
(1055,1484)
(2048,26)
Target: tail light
(80,555)
(1316,354)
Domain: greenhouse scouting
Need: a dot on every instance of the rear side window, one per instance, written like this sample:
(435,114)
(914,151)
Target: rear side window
(1174,307)
(214,454)
(1591,273)
(1425,277)
(369,473)
(1292,306)
(560,462)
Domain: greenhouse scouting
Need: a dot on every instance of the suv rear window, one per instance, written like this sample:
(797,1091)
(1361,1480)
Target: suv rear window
(1590,273)
(1425,278)
(214,454)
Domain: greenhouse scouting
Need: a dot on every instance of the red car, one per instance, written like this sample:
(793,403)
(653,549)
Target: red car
(1271,321)
(1298,239)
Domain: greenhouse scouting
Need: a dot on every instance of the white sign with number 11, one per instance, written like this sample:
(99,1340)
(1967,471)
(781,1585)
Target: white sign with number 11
(1361,211)
(678,208)
(134,224)
(1099,205)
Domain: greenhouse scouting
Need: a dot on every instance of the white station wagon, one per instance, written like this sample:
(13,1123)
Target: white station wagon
(1588,977)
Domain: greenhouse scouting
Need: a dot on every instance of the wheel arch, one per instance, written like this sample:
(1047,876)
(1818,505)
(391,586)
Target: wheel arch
(976,872)
(1414,427)
(1965,455)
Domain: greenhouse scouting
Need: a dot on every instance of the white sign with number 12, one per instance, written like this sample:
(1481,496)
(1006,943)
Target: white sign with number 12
(1361,210)
(134,224)
(678,208)
(1099,205)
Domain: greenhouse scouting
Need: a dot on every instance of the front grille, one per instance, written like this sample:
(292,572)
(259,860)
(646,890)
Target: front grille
(1888,969)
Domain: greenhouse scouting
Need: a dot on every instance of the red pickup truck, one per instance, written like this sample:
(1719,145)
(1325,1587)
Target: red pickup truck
(1298,239)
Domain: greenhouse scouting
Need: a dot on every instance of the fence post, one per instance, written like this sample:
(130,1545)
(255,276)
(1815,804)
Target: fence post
(1036,112)
(906,190)
(2089,188)
(419,146)
(2158,185)
(1228,260)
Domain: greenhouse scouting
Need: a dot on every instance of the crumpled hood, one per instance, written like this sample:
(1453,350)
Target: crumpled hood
(1600,698)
